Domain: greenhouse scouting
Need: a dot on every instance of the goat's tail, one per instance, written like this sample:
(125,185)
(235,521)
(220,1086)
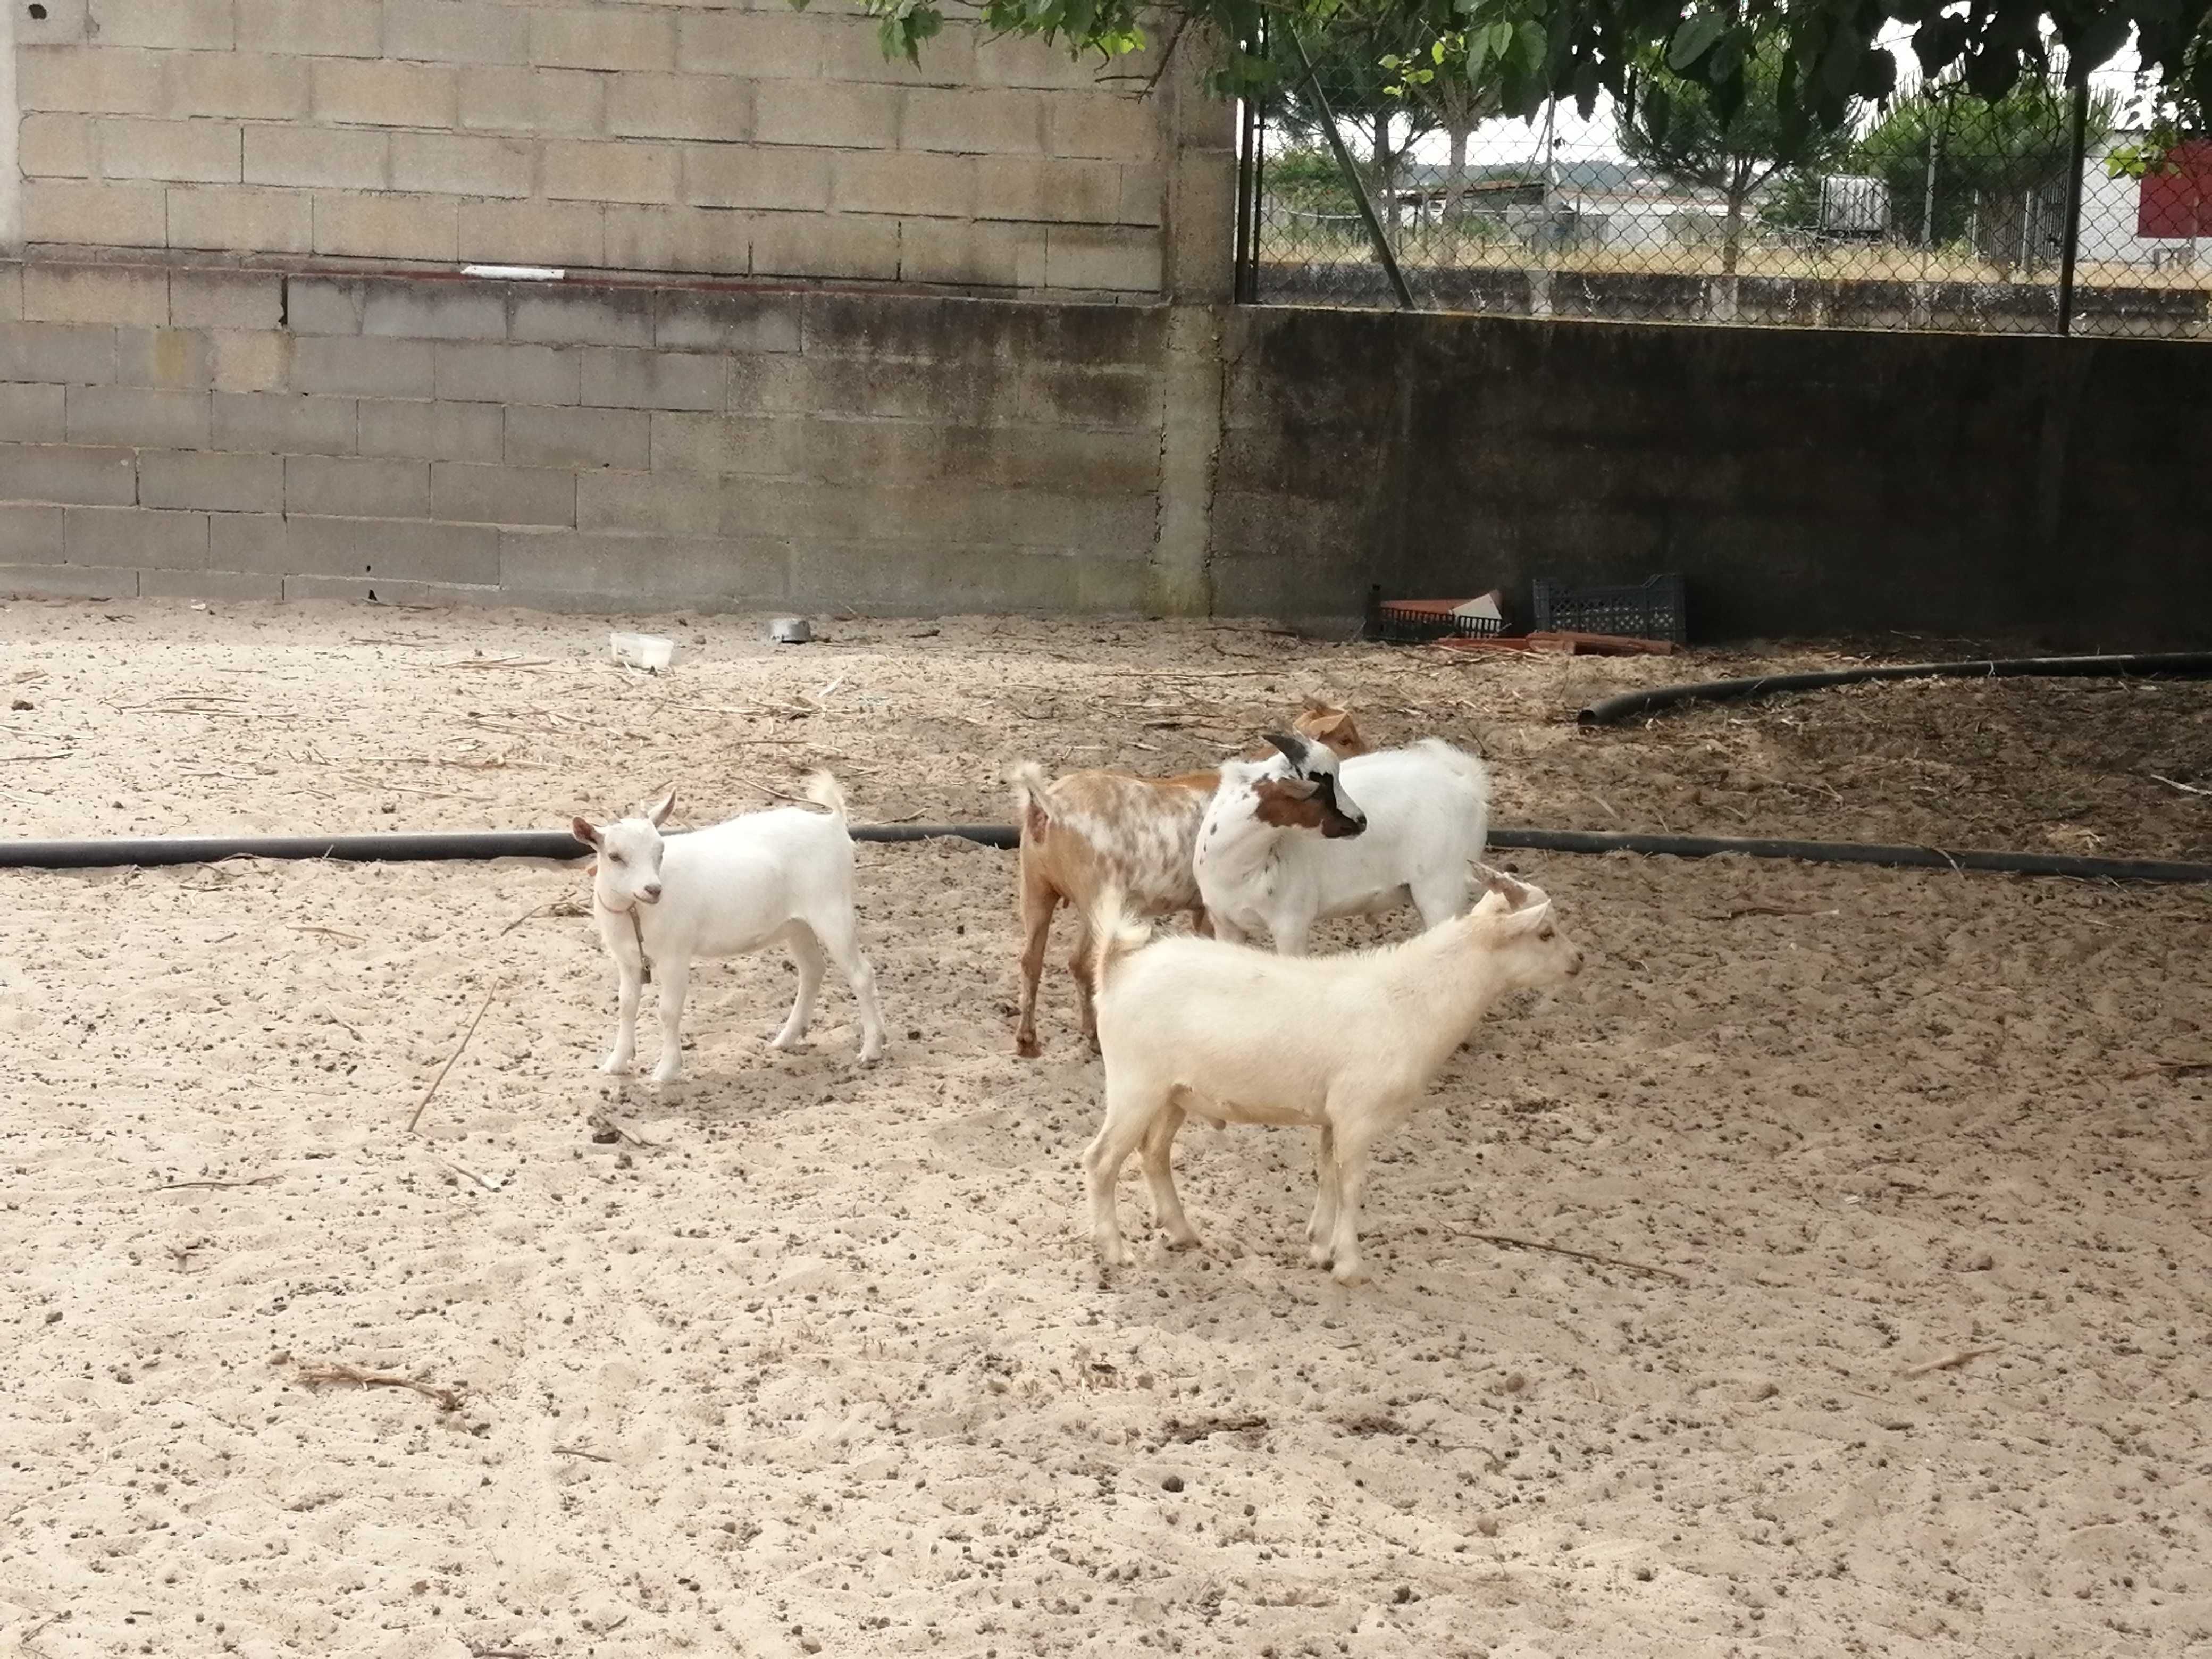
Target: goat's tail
(823,791)
(1031,811)
(1457,760)
(1114,935)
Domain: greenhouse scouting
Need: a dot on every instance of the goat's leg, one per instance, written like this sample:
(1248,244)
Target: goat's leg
(1225,929)
(1157,1156)
(630,984)
(806,951)
(1039,900)
(839,935)
(1129,1113)
(1320,1228)
(1078,966)
(1200,923)
(1353,1139)
(1291,931)
(1440,895)
(675,977)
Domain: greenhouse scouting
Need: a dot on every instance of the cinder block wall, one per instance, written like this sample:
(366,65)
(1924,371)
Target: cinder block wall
(679,136)
(251,434)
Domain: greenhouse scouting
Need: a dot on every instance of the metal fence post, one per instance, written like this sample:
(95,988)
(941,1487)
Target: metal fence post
(2077,154)
(1382,253)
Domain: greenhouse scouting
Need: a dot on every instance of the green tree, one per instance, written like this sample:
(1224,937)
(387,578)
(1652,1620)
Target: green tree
(1432,76)
(1683,130)
(1348,66)
(1961,168)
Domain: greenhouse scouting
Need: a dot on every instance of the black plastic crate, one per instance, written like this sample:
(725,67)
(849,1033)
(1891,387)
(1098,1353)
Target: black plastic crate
(1414,622)
(1650,610)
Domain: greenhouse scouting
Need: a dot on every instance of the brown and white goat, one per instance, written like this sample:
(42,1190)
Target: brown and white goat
(1089,830)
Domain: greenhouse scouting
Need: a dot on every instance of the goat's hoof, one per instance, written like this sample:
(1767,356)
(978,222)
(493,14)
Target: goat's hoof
(1350,1273)
(1319,1255)
(1189,1242)
(664,1075)
(1028,1046)
(613,1067)
(786,1041)
(870,1056)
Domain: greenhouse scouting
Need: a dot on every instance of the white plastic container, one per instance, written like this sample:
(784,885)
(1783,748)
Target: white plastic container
(651,652)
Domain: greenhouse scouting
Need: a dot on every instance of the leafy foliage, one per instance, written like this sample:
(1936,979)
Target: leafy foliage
(1981,148)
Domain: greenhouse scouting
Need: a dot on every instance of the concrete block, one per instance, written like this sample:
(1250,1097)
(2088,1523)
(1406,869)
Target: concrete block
(11,289)
(826,113)
(104,80)
(385,591)
(462,166)
(327,158)
(57,147)
(1124,400)
(335,28)
(1014,60)
(118,535)
(363,92)
(246,541)
(192,25)
(211,481)
(1144,194)
(229,587)
(642,571)
(1039,188)
(751,446)
(249,358)
(689,320)
(760,45)
(66,581)
(788,176)
(581,438)
(642,105)
(981,255)
(187,152)
(670,503)
(243,86)
(357,487)
(388,227)
(443,32)
(978,121)
(917,186)
(30,414)
(325,305)
(584,316)
(176,359)
(57,351)
(240,220)
(771,385)
(94,213)
(1102,256)
(583,170)
(56,23)
(534,232)
(852,49)
(714,240)
(30,535)
(962,394)
(489,374)
(432,432)
(615,379)
(226,299)
(533,100)
(390,549)
(850,246)
(414,310)
(137,416)
(283,423)
(605,38)
(96,293)
(1104,125)
(363,367)
(503,495)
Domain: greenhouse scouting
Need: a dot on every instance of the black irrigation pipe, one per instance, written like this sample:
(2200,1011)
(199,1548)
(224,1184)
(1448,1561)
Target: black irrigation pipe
(462,845)
(2181,664)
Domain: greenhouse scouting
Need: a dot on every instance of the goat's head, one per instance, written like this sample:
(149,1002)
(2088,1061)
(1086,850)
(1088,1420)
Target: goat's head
(1514,920)
(1309,795)
(1326,723)
(627,872)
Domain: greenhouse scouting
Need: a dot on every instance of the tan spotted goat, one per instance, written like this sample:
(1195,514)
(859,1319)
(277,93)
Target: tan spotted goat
(1089,830)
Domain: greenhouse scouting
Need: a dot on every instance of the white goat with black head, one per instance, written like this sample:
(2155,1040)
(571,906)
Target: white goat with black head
(782,876)
(1293,840)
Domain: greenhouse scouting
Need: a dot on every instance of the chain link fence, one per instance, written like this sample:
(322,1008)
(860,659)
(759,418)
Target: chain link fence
(1937,209)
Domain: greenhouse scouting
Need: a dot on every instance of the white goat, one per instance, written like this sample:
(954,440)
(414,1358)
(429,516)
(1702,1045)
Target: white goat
(1346,1043)
(1403,823)
(782,875)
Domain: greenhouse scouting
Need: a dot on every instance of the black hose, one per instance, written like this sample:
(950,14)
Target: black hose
(2183,664)
(463,845)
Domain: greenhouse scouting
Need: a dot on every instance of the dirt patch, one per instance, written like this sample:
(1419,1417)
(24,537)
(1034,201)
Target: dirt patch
(819,1359)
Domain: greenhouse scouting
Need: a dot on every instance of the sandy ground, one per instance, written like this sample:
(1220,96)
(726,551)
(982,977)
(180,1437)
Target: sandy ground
(827,1367)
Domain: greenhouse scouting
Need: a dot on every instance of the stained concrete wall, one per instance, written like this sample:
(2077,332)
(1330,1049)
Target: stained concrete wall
(614,135)
(230,433)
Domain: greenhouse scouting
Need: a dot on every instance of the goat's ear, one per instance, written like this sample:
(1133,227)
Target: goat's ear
(658,811)
(1299,788)
(1294,747)
(584,830)
(1527,920)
